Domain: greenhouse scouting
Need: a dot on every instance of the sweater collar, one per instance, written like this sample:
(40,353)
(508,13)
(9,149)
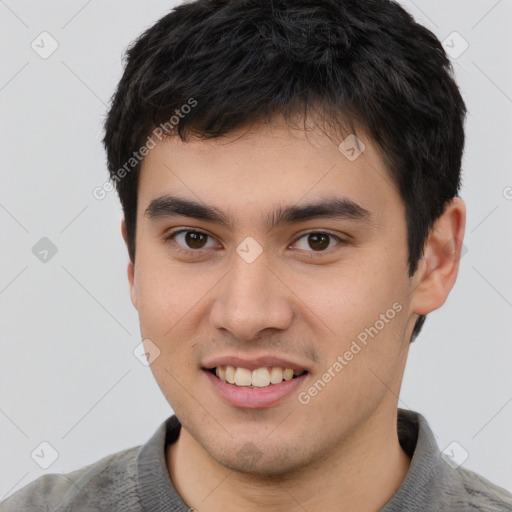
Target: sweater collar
(421,484)
(428,473)
(154,485)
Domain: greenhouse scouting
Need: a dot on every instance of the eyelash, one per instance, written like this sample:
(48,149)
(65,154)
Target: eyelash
(181,249)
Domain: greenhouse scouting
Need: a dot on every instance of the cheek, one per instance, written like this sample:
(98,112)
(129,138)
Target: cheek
(172,310)
(354,296)
(362,360)
(363,309)
(167,293)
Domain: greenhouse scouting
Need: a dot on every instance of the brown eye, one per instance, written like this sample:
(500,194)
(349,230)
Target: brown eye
(316,241)
(194,239)
(190,240)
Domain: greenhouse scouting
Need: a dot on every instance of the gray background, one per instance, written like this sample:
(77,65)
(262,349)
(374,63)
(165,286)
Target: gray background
(68,330)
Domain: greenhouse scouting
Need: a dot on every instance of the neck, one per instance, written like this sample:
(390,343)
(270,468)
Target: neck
(362,475)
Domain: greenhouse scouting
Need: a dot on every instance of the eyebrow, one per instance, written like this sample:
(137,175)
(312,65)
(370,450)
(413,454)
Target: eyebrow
(341,208)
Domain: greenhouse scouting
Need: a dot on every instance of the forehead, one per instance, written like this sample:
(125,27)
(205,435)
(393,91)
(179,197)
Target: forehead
(269,164)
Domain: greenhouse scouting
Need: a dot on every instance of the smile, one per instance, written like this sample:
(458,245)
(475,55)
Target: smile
(258,378)
(254,389)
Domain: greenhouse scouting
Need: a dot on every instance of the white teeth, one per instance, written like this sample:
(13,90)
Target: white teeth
(230,374)
(220,371)
(276,375)
(243,377)
(288,374)
(259,378)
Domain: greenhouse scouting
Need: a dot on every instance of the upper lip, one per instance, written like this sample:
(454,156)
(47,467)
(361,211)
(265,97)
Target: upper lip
(253,363)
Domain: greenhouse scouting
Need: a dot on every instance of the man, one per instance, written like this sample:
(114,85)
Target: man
(289,174)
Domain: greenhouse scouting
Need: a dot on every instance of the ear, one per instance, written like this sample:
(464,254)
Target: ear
(131,268)
(439,266)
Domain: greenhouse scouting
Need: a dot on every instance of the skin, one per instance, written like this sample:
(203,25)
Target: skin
(340,451)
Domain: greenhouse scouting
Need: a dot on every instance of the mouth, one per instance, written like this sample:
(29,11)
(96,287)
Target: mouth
(257,388)
(258,378)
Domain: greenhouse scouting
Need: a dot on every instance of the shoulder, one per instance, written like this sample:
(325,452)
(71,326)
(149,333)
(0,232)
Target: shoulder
(471,492)
(97,486)
(434,483)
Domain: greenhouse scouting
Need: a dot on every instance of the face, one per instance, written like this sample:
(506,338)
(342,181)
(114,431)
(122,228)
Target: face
(326,294)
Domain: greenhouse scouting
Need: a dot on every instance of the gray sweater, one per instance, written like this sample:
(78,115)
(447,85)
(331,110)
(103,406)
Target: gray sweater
(137,479)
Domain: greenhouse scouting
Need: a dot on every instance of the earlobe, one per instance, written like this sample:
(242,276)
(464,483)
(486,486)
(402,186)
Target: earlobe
(439,266)
(131,281)
(130,269)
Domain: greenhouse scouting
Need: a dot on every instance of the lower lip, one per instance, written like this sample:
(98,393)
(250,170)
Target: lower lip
(255,398)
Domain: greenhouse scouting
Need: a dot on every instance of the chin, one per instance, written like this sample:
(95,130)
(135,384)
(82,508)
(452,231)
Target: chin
(259,461)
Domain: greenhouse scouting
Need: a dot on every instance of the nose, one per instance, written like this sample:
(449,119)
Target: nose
(251,298)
